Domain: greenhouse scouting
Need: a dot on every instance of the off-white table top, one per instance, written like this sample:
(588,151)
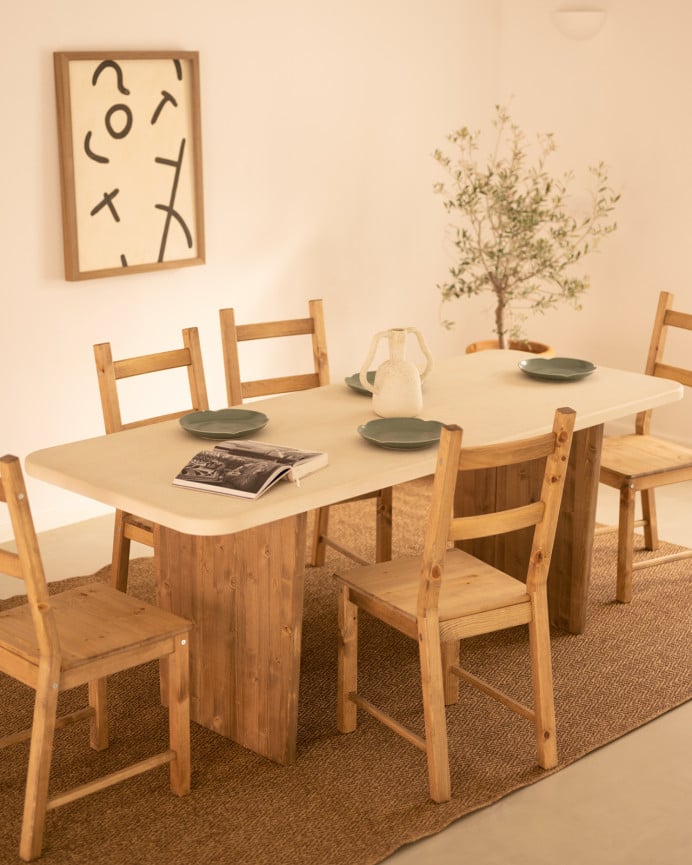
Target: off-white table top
(485,393)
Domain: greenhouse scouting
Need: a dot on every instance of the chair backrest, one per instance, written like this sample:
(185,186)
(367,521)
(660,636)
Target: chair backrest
(111,371)
(666,317)
(231,334)
(26,563)
(541,514)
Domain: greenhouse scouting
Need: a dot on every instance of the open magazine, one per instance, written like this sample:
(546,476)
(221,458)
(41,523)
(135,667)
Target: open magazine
(247,468)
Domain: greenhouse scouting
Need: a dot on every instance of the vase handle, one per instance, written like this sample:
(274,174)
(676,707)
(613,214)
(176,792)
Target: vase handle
(425,350)
(363,375)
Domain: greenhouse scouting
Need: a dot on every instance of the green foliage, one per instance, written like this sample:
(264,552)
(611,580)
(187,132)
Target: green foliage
(514,232)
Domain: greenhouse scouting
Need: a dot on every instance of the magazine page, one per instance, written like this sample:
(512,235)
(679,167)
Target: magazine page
(222,472)
(300,462)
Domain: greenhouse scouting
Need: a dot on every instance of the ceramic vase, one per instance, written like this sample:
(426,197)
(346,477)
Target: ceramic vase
(397,389)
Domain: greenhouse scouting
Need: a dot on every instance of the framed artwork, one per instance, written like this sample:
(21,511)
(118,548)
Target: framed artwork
(130,161)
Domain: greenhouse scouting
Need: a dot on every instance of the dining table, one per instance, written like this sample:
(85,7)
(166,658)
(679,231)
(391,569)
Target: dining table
(236,566)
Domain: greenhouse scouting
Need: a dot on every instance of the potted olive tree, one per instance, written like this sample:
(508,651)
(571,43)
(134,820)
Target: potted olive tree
(514,231)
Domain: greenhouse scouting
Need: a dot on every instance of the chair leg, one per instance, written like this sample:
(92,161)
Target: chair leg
(432,685)
(625,545)
(179,714)
(98,725)
(542,676)
(650,520)
(319,548)
(40,755)
(383,526)
(121,554)
(450,658)
(347,675)
(383,530)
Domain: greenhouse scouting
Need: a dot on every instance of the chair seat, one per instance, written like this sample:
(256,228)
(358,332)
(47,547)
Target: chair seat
(95,623)
(470,586)
(140,528)
(641,456)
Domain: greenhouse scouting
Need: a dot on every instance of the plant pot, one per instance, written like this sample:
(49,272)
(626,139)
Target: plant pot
(515,344)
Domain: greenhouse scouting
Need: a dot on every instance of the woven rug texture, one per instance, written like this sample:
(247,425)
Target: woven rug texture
(354,799)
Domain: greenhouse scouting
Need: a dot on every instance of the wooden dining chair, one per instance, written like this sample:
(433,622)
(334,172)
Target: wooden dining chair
(130,527)
(56,642)
(447,594)
(640,462)
(238,390)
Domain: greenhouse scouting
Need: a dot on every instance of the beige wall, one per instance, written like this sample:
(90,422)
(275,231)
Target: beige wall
(319,119)
(622,97)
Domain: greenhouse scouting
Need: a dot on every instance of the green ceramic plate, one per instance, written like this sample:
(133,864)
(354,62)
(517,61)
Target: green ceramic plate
(402,433)
(556,368)
(227,423)
(353,381)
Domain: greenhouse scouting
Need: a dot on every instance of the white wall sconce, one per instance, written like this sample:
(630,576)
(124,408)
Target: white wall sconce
(575,23)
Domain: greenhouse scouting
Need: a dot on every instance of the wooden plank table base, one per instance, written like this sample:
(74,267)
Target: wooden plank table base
(244,593)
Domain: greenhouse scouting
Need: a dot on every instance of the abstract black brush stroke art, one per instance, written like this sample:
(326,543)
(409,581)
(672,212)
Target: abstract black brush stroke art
(131,167)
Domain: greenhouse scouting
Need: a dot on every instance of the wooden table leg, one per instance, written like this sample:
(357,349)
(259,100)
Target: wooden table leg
(244,593)
(570,567)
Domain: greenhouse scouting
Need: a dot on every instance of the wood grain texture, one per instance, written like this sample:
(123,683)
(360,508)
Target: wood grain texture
(641,462)
(57,642)
(448,594)
(244,593)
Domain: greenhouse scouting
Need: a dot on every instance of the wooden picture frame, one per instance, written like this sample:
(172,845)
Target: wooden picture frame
(130,143)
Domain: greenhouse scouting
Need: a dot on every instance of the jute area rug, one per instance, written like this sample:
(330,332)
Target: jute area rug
(354,799)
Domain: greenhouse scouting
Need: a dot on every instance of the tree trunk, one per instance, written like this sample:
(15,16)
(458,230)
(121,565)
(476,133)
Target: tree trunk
(500,318)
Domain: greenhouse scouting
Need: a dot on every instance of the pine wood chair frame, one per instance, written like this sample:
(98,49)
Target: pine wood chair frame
(237,391)
(129,527)
(447,595)
(640,462)
(57,642)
